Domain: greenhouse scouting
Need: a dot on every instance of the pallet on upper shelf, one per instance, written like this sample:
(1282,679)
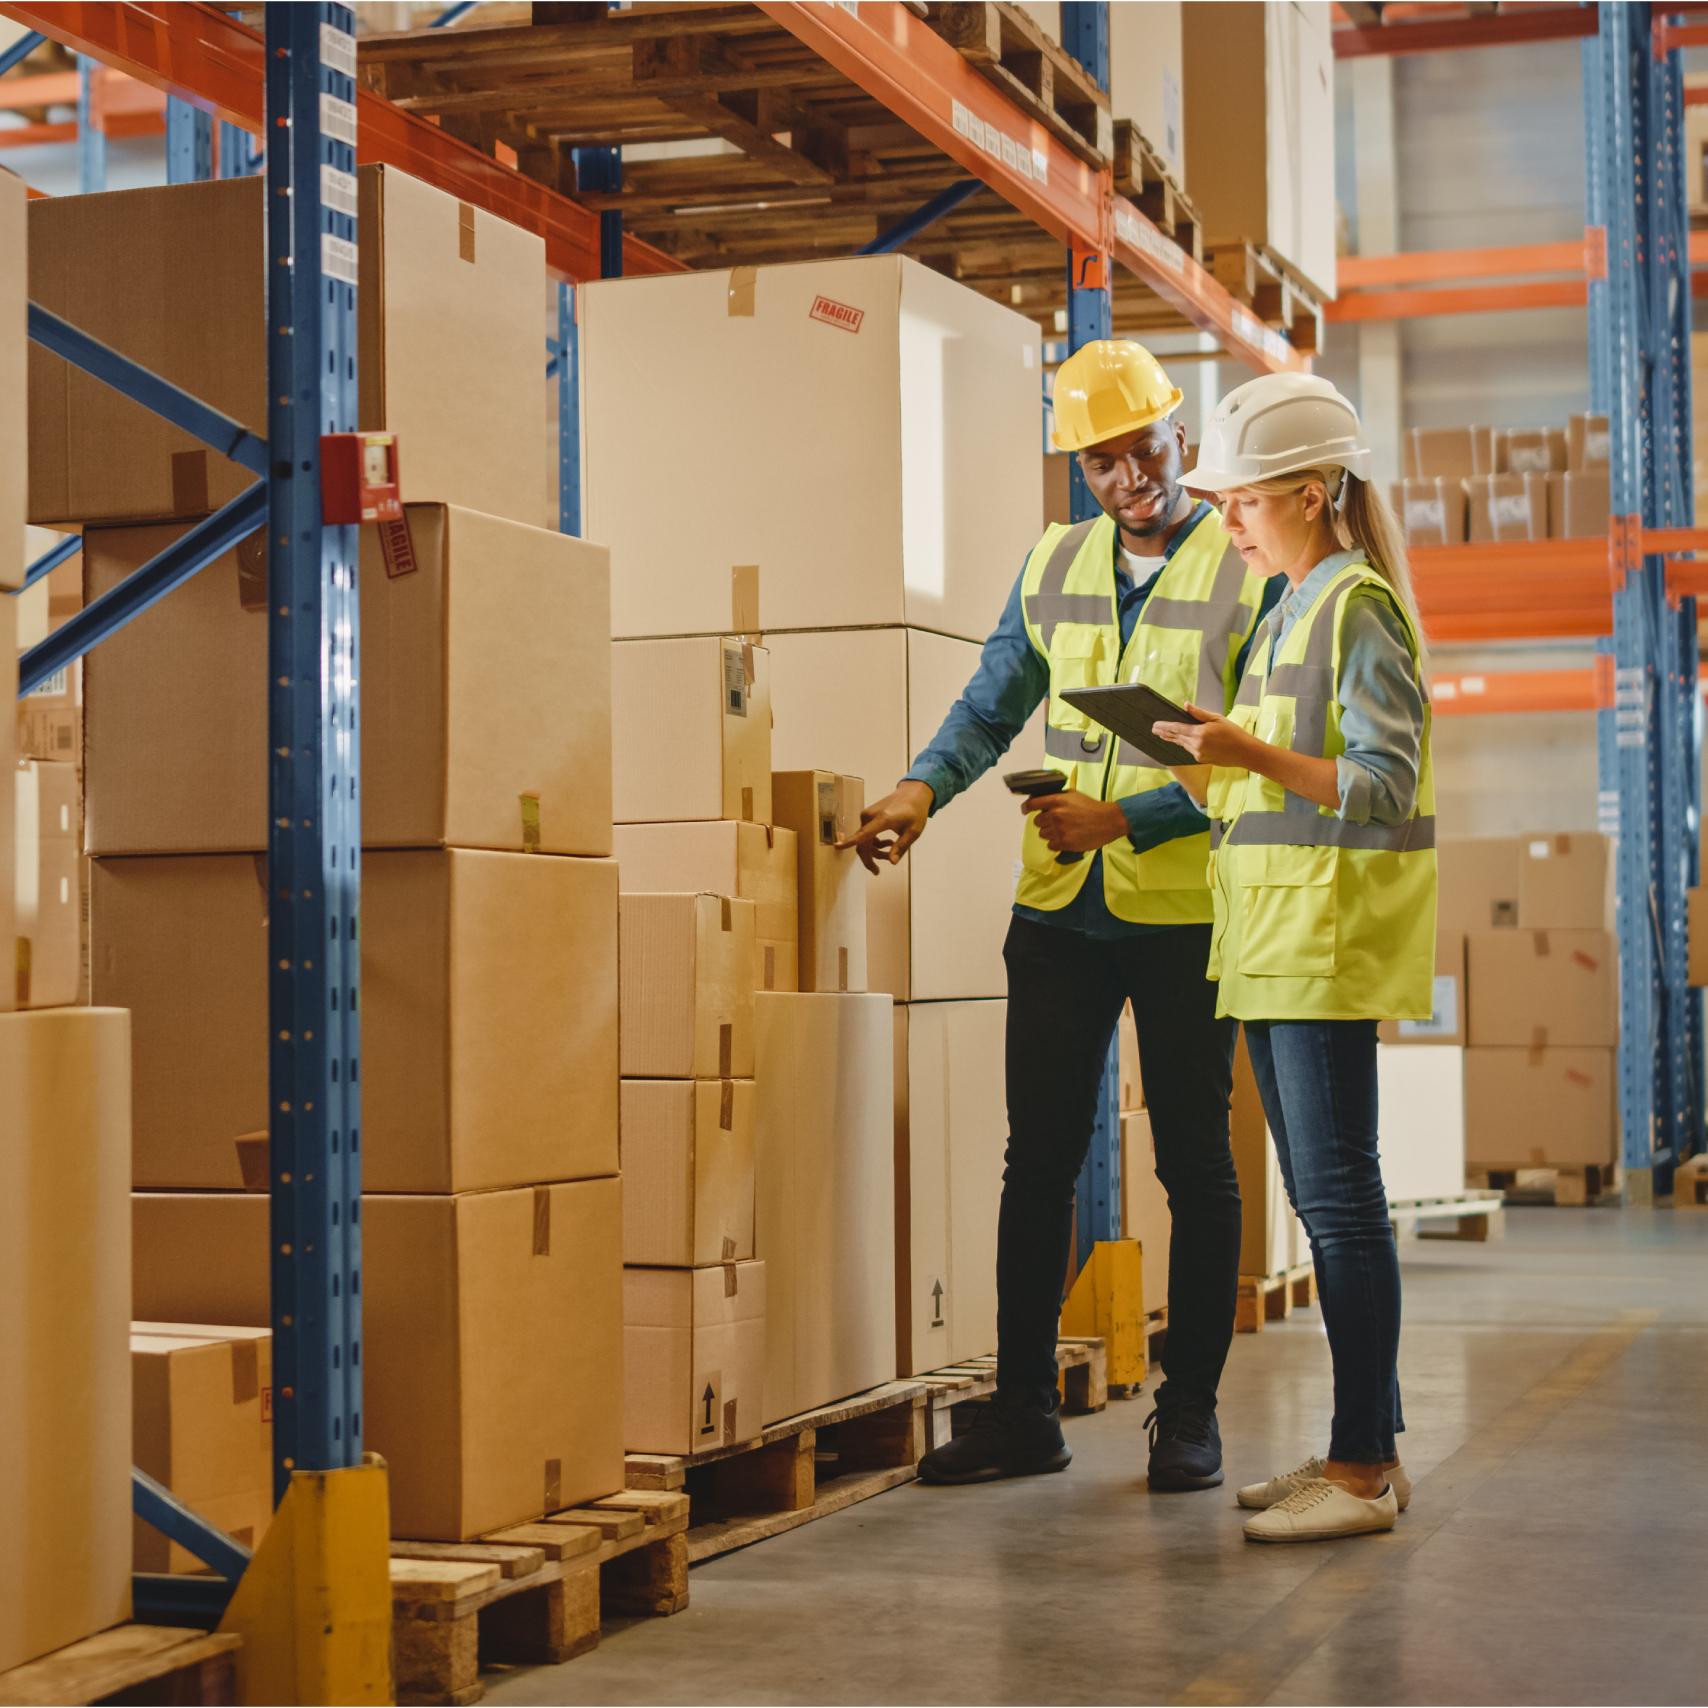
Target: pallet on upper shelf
(1551,1183)
(1275,292)
(1475,1214)
(531,1594)
(1146,182)
(793,1471)
(1271,1298)
(1009,50)
(181,1666)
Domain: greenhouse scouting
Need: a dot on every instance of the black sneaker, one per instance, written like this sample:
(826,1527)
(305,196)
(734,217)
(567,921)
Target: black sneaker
(1186,1445)
(1009,1438)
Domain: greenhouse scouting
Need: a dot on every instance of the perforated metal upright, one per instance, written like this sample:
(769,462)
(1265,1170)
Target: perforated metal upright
(314,790)
(1639,320)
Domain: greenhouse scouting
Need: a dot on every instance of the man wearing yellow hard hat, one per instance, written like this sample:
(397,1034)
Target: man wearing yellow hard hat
(1151,590)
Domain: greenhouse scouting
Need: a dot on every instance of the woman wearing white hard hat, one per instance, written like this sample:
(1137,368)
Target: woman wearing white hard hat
(1323,875)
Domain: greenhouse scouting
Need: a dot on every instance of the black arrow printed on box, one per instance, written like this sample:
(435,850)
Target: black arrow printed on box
(937,1304)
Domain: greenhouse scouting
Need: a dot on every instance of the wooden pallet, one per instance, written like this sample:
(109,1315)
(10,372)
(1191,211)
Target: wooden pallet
(1475,1215)
(1271,288)
(1146,182)
(1270,1298)
(1564,1185)
(794,1471)
(159,1663)
(1690,1184)
(955,1389)
(1010,50)
(532,1594)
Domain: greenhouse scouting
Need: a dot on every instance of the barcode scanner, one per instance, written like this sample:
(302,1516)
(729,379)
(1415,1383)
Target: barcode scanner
(1035,785)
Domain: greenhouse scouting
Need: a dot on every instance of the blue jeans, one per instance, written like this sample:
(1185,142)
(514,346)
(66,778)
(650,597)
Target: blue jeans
(1317,1079)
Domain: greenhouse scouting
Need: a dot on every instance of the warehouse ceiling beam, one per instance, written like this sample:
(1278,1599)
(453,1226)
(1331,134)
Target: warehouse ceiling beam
(1481,29)
(200,55)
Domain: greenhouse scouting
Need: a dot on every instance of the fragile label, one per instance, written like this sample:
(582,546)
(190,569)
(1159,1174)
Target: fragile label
(735,683)
(337,258)
(338,119)
(397,547)
(338,50)
(338,190)
(834,313)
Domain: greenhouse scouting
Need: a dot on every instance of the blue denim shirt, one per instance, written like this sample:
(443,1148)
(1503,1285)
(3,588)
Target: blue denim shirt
(1008,686)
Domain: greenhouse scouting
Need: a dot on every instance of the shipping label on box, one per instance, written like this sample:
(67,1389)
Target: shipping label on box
(1446,1022)
(687,1171)
(821,809)
(687,987)
(693,1357)
(1543,989)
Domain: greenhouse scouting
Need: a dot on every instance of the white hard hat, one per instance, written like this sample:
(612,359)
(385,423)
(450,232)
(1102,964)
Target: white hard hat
(1276,425)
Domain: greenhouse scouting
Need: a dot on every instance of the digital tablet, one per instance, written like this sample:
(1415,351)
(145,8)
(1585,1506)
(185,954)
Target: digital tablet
(1130,709)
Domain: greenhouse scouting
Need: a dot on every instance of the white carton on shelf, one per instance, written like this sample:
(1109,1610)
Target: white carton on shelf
(1421,1104)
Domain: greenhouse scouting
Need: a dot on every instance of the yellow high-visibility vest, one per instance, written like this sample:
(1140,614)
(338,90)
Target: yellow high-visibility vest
(1318,919)
(1186,645)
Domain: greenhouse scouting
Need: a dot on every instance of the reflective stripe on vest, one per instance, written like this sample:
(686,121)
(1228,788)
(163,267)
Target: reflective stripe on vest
(1189,632)
(1317,918)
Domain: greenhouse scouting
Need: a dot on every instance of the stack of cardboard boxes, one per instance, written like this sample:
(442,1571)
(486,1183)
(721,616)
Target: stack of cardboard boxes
(65,1430)
(1527,980)
(755,1070)
(1144,1204)
(491,1213)
(863,490)
(1485,484)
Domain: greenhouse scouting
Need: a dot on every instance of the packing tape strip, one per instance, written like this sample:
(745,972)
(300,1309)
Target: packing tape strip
(1539,940)
(726,1110)
(741,283)
(1538,1043)
(530,799)
(542,1221)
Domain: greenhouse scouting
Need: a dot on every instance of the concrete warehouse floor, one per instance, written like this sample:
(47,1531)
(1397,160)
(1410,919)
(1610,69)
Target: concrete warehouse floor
(1556,1385)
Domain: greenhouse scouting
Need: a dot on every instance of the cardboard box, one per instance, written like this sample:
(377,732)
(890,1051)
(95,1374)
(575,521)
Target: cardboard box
(1145,1215)
(14,385)
(821,809)
(1507,507)
(1541,1108)
(1477,882)
(50,716)
(1432,511)
(449,305)
(691,730)
(1537,450)
(755,862)
(687,1171)
(202,1424)
(920,394)
(8,797)
(1566,883)
(1488,451)
(1446,1023)
(1442,452)
(489,1016)
(1273,1238)
(824,1172)
(1145,76)
(935,924)
(485,694)
(1586,442)
(1132,1080)
(1420,1098)
(693,1357)
(65,1429)
(492,1337)
(48,885)
(1589,503)
(951,1133)
(1543,989)
(687,984)
(1258,95)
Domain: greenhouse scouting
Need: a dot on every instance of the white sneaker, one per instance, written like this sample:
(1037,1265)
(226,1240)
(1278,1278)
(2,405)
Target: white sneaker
(1259,1497)
(1320,1510)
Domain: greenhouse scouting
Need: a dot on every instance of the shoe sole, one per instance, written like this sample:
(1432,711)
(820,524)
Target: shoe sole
(1177,1482)
(1264,1505)
(997,1473)
(1322,1535)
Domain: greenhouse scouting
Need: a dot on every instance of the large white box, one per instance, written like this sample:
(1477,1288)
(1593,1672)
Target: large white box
(865,701)
(1421,1120)
(824,1180)
(858,444)
(951,1140)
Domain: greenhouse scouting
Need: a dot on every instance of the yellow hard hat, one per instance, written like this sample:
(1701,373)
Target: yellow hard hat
(1108,388)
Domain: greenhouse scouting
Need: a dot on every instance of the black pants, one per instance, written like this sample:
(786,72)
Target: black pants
(1065,992)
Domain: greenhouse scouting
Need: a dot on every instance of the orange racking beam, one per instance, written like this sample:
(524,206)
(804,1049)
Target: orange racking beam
(1464,695)
(1433,266)
(1439,35)
(907,67)
(1469,299)
(197,53)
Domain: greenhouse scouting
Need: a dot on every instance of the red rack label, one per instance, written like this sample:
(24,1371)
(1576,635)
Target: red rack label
(834,313)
